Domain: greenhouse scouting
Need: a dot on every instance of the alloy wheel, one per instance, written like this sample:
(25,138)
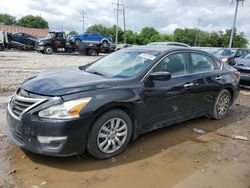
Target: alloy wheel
(112,135)
(223,104)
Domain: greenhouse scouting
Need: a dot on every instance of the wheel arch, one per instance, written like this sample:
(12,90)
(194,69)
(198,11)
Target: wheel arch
(231,91)
(105,39)
(127,108)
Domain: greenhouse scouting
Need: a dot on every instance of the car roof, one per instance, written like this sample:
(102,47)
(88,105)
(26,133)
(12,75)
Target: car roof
(162,48)
(169,43)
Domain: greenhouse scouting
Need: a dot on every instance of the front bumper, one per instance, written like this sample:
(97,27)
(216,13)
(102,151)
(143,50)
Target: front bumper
(39,48)
(25,134)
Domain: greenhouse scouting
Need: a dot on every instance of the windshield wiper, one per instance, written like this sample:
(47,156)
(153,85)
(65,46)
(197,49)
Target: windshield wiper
(95,72)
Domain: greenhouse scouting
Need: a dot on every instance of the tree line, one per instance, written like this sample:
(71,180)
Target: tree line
(192,37)
(26,21)
(188,35)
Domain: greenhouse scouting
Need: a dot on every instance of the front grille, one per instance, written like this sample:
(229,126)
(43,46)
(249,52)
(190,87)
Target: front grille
(18,104)
(244,71)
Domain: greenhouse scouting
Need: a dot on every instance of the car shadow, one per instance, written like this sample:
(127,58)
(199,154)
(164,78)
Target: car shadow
(146,145)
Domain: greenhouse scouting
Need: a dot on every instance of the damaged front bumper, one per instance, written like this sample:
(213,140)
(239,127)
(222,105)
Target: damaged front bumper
(49,137)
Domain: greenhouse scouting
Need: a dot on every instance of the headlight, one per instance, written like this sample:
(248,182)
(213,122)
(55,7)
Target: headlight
(66,110)
(225,59)
(40,43)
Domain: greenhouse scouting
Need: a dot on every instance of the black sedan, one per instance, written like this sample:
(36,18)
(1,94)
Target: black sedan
(227,55)
(101,107)
(243,66)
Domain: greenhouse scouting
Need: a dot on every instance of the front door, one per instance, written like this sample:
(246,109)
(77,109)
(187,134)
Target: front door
(167,102)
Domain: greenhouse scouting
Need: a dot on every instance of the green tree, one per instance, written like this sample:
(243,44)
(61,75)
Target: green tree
(33,21)
(72,33)
(7,19)
(239,40)
(147,34)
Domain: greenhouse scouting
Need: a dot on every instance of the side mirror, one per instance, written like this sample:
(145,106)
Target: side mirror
(160,76)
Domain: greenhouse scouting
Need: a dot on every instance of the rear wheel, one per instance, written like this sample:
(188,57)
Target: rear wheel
(48,50)
(222,105)
(110,134)
(92,52)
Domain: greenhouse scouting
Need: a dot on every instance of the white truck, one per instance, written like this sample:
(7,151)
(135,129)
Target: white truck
(3,40)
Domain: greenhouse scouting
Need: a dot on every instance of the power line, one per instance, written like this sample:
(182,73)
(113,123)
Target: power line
(234,22)
(83,18)
(197,31)
(118,11)
(124,26)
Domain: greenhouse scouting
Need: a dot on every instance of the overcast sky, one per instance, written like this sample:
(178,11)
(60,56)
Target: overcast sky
(164,15)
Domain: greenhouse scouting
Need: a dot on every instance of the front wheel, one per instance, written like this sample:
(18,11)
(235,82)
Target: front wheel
(222,105)
(78,41)
(48,50)
(110,134)
(105,44)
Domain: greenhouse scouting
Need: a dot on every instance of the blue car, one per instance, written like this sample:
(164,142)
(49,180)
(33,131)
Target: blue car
(93,37)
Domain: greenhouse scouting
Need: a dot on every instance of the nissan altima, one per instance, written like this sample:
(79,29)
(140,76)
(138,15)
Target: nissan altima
(100,107)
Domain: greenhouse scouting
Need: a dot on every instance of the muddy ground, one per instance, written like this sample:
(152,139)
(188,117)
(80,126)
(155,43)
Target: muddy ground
(170,157)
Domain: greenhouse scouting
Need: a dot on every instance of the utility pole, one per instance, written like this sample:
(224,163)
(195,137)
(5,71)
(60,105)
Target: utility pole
(197,30)
(234,22)
(83,20)
(124,26)
(118,4)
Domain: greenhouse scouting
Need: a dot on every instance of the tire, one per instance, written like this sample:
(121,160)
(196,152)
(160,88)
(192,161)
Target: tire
(100,143)
(78,41)
(105,44)
(223,101)
(48,50)
(1,47)
(92,52)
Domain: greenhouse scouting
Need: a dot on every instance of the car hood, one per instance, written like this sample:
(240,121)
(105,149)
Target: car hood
(243,64)
(44,40)
(67,81)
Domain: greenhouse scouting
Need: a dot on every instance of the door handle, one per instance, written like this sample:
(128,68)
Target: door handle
(188,84)
(218,77)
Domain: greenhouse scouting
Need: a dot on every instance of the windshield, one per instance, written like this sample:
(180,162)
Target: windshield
(123,64)
(225,52)
(248,56)
(50,36)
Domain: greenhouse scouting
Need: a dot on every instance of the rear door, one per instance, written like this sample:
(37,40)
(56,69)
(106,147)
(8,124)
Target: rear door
(206,78)
(167,102)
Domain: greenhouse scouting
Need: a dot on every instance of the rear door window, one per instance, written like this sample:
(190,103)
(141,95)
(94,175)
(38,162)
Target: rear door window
(201,63)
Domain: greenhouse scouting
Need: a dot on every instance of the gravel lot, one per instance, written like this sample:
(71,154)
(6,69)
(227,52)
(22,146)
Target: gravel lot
(16,66)
(170,157)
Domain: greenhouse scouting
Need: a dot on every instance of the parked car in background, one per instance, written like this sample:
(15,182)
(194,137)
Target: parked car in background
(170,44)
(228,55)
(211,50)
(243,66)
(121,46)
(101,107)
(24,38)
(93,37)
